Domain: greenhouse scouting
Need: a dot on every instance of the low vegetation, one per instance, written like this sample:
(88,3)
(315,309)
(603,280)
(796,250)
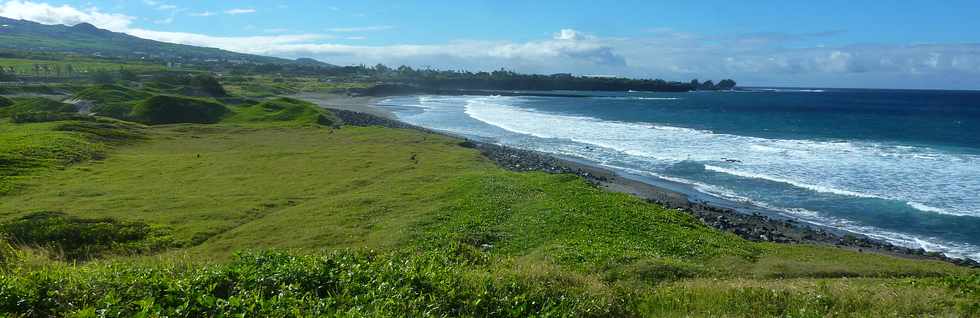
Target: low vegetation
(377,221)
(35,104)
(75,238)
(228,205)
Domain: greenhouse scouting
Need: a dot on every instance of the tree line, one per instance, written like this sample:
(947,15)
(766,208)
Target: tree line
(496,80)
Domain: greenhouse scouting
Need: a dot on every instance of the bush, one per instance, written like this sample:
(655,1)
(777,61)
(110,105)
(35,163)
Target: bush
(81,239)
(264,284)
(209,85)
(4,102)
(163,109)
(42,117)
(103,77)
(191,85)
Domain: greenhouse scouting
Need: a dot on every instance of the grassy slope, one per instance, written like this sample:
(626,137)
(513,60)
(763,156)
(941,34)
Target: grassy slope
(226,188)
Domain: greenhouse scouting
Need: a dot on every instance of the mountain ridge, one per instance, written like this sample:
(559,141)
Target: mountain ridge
(87,39)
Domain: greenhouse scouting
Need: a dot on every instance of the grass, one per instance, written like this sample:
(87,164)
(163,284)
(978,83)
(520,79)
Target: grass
(279,110)
(451,234)
(26,149)
(80,66)
(106,94)
(166,109)
(35,104)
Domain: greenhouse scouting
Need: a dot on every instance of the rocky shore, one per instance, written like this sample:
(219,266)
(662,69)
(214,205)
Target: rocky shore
(754,227)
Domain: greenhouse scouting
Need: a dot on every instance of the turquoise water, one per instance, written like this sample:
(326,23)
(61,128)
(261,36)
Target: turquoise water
(903,166)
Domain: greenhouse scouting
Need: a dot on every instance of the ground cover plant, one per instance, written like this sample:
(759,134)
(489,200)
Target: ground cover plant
(227,205)
(368,230)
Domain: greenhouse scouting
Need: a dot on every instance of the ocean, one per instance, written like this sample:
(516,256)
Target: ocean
(897,165)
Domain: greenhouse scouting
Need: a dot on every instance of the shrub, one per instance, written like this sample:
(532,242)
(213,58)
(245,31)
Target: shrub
(209,85)
(80,239)
(262,284)
(163,109)
(192,85)
(4,102)
(103,77)
(41,117)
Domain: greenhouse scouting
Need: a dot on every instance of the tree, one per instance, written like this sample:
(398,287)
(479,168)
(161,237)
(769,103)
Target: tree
(209,85)
(726,84)
(103,77)
(707,86)
(128,75)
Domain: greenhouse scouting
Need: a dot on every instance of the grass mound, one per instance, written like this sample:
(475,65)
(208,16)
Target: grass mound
(164,109)
(285,110)
(105,94)
(36,104)
(28,148)
(73,238)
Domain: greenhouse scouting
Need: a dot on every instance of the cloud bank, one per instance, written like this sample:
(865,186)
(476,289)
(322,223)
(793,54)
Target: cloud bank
(764,58)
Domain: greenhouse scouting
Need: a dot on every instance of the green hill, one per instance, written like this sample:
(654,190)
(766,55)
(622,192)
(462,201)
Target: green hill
(87,39)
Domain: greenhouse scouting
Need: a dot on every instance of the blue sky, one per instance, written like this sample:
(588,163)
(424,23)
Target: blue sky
(894,44)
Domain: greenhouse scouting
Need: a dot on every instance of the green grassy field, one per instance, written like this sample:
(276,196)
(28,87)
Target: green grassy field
(365,229)
(80,66)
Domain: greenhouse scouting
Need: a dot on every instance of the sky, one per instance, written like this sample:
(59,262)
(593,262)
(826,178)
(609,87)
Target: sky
(830,43)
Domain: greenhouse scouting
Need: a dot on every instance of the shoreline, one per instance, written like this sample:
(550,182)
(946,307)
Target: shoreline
(361,111)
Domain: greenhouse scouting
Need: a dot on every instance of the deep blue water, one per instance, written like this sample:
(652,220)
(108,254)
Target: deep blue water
(897,165)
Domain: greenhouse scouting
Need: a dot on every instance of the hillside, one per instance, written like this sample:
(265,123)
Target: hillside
(280,208)
(86,39)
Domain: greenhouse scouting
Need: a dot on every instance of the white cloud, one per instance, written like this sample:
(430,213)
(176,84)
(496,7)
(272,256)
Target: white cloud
(245,44)
(64,14)
(160,5)
(758,58)
(202,14)
(238,11)
(167,20)
(361,29)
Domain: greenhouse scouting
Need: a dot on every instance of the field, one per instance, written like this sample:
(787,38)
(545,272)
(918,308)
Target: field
(376,221)
(78,66)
